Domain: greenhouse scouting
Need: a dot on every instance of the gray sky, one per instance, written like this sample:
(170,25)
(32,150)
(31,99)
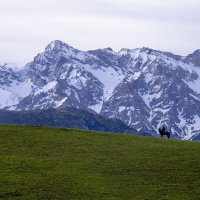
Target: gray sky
(27,26)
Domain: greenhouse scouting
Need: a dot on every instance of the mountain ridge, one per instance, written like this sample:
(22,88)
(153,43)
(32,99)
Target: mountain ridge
(65,117)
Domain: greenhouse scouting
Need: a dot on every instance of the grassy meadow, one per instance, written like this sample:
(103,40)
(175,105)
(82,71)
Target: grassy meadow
(54,163)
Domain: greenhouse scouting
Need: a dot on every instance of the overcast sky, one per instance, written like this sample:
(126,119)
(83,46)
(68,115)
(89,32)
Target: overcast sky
(27,26)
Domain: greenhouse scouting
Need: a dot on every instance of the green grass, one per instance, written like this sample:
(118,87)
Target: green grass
(54,163)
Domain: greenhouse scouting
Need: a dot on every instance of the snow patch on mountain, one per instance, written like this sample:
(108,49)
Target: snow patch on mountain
(110,79)
(194,85)
(60,102)
(46,88)
(22,89)
(97,107)
(8,98)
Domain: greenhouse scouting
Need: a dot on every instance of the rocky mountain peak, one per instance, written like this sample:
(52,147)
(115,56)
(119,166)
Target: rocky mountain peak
(196,52)
(148,50)
(50,62)
(194,57)
(57,45)
(55,51)
(109,49)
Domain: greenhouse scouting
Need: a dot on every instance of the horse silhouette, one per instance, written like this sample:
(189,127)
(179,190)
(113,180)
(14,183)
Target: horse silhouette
(163,132)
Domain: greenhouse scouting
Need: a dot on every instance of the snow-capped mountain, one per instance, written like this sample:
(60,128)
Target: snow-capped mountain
(142,87)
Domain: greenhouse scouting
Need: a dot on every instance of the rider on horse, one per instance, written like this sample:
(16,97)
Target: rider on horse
(162,132)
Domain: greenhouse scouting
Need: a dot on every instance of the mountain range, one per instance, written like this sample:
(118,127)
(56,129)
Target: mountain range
(142,87)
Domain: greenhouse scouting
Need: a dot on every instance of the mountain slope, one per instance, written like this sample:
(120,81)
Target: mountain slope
(142,87)
(57,163)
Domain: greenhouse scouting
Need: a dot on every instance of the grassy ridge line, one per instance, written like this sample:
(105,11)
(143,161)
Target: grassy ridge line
(55,163)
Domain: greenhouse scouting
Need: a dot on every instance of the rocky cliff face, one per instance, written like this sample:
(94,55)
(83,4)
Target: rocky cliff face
(144,88)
